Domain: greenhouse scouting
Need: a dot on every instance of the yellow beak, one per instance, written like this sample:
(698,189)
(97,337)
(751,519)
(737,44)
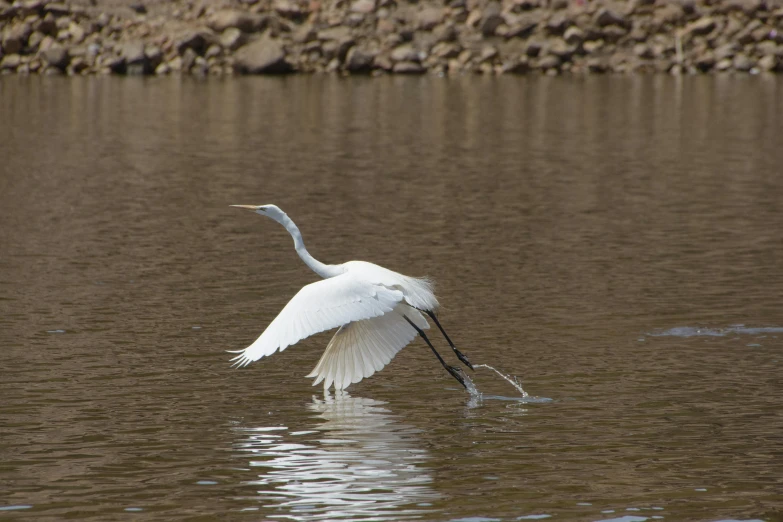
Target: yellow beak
(248,207)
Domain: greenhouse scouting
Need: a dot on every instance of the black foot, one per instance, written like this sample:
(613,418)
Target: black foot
(464,358)
(455,372)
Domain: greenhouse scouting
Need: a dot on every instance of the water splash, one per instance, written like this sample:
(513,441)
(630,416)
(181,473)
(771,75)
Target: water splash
(515,383)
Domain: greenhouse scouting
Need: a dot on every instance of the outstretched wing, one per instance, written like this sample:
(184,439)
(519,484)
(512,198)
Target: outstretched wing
(319,307)
(361,348)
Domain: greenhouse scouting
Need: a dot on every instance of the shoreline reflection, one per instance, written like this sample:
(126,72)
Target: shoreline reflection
(358,462)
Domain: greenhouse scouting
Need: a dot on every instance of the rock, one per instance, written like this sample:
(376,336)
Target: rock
(154,56)
(742,63)
(562,50)
(213,52)
(262,57)
(705,61)
(428,18)
(138,8)
(643,51)
(56,9)
(56,56)
(405,53)
(533,48)
(446,50)
(34,41)
(198,40)
(363,6)
(489,23)
(136,63)
(573,35)
(549,62)
(769,63)
(15,37)
(612,33)
(235,18)
(10,62)
(521,29)
(188,60)
(163,69)
(700,27)
(77,65)
(515,67)
(335,33)
(445,33)
(289,9)
(605,17)
(359,60)
(232,39)
(77,32)
(723,65)
(558,23)
(408,68)
(596,64)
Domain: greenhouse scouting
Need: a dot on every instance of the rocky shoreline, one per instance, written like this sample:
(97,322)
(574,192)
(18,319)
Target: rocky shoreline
(390,36)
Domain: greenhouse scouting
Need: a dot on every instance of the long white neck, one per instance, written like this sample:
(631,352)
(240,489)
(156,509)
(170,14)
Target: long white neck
(323,270)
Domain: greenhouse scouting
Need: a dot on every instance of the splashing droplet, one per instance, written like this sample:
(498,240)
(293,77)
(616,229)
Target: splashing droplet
(515,383)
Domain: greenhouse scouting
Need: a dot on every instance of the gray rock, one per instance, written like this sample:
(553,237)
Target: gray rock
(115,64)
(489,23)
(597,64)
(198,40)
(232,39)
(445,33)
(136,62)
(605,17)
(515,67)
(289,9)
(56,56)
(429,17)
(154,56)
(488,54)
(702,26)
(363,6)
(57,9)
(188,60)
(359,60)
(405,53)
(705,61)
(10,62)
(263,56)
(533,48)
(15,37)
(446,50)
(238,19)
(334,33)
(742,63)
(521,29)
(562,50)
(769,63)
(573,35)
(558,23)
(723,65)
(162,69)
(549,61)
(408,68)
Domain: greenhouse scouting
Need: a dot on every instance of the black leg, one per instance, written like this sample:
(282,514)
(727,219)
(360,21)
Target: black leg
(454,371)
(462,357)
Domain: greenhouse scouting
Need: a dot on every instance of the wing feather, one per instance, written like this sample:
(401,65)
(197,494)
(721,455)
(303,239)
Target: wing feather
(361,348)
(318,307)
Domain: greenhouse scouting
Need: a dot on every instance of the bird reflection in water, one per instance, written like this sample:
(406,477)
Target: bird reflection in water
(359,463)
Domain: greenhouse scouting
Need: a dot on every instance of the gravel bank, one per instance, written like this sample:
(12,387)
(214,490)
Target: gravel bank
(390,36)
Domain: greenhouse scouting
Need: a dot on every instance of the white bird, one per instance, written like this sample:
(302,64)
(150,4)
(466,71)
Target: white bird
(378,313)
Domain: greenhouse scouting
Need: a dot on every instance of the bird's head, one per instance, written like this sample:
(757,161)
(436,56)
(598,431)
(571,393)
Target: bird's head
(265,210)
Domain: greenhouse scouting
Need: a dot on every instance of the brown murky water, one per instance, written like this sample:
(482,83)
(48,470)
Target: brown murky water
(613,242)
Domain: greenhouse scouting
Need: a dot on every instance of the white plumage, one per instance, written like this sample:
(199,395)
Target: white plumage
(368,303)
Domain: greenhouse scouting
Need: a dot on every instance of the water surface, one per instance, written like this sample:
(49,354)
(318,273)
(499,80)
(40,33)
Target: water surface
(613,242)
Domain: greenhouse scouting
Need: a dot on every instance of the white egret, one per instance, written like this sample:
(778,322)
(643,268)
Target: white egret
(378,313)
